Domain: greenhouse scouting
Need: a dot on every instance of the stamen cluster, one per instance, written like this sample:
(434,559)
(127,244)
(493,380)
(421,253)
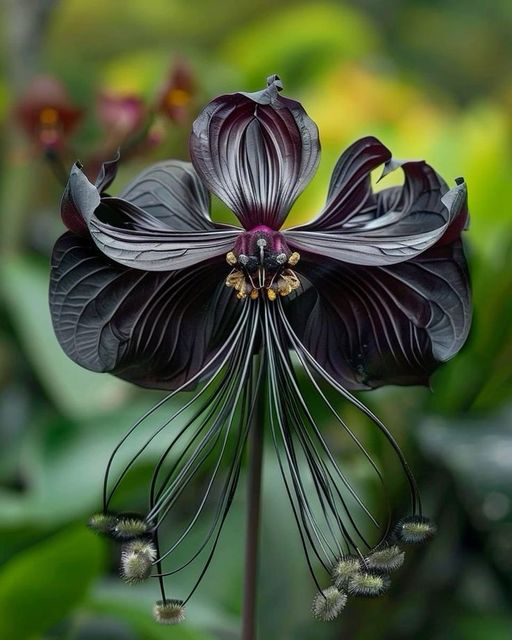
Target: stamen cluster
(261,261)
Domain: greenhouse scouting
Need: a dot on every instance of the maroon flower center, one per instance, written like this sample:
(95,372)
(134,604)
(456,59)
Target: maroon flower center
(261,258)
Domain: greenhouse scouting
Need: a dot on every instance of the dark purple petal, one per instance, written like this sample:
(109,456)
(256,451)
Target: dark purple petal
(153,329)
(401,223)
(456,199)
(79,196)
(174,231)
(171,192)
(370,326)
(257,152)
(350,189)
(69,210)
(107,173)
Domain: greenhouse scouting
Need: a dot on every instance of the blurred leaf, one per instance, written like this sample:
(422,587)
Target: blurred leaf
(42,585)
(65,464)
(479,626)
(79,393)
(485,159)
(477,452)
(284,577)
(95,626)
(146,627)
(4,96)
(138,72)
(14,195)
(137,613)
(303,41)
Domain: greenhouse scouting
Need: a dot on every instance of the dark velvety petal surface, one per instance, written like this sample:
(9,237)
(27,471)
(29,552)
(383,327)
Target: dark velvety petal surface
(387,227)
(350,190)
(153,329)
(70,211)
(107,173)
(370,326)
(172,231)
(257,152)
(172,192)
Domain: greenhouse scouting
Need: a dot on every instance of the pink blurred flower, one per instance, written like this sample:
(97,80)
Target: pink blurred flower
(120,114)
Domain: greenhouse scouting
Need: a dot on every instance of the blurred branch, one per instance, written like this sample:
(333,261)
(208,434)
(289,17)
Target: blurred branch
(25,24)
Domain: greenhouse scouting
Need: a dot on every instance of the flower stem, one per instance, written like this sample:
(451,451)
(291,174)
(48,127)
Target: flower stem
(253,520)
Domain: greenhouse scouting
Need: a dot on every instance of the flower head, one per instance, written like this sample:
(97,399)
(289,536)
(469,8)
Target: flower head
(328,604)
(169,611)
(368,584)
(177,94)
(102,523)
(130,527)
(344,569)
(46,112)
(137,559)
(121,115)
(373,291)
(387,559)
(415,529)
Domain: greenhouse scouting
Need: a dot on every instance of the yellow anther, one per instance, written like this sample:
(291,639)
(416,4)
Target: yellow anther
(231,258)
(177,98)
(235,279)
(294,258)
(287,282)
(283,285)
(49,116)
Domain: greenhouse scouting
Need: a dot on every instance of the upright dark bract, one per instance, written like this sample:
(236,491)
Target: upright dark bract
(373,291)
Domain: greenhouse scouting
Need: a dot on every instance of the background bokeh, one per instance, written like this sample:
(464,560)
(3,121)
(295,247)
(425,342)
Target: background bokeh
(433,80)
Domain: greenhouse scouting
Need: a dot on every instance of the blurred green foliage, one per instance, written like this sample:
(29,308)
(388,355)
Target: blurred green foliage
(45,583)
(433,80)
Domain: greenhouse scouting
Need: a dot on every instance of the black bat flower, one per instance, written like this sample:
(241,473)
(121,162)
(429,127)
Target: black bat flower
(373,291)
